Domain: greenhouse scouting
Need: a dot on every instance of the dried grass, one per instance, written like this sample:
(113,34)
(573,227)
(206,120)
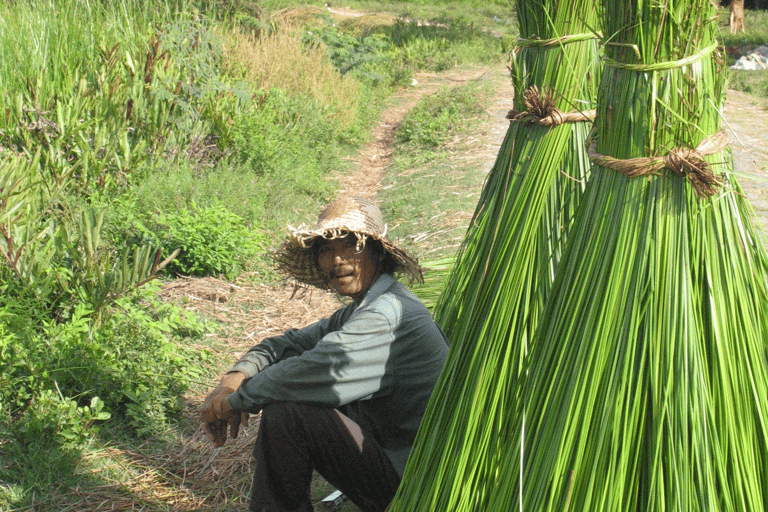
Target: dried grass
(280,60)
(367,24)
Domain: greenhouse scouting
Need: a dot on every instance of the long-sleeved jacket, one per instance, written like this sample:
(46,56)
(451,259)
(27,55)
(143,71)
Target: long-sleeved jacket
(379,358)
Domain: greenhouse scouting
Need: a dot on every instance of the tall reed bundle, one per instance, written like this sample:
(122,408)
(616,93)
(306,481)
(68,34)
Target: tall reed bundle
(492,300)
(646,386)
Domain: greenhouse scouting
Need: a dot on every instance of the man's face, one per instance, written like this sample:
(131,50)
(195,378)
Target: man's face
(350,271)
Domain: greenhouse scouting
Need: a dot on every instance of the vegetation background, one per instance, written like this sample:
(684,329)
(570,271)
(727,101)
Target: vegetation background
(143,144)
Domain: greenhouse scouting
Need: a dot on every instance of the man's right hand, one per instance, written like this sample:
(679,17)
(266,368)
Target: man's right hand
(216,414)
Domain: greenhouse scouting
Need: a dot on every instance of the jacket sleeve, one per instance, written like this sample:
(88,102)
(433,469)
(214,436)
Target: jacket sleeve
(347,364)
(289,344)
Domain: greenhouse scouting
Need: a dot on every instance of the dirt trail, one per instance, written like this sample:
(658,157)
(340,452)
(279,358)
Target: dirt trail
(376,157)
(747,128)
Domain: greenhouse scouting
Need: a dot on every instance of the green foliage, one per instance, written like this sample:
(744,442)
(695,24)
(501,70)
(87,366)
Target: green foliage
(443,43)
(272,138)
(751,82)
(152,94)
(211,240)
(369,58)
(64,376)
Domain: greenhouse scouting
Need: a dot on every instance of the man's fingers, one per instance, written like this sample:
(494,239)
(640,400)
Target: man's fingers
(217,431)
(244,418)
(234,424)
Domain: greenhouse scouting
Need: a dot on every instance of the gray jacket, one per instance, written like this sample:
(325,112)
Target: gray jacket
(377,359)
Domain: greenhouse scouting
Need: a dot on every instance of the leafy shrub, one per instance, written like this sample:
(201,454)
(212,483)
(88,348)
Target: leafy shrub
(364,57)
(212,240)
(61,377)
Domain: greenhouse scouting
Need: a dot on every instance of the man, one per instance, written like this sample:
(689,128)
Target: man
(344,396)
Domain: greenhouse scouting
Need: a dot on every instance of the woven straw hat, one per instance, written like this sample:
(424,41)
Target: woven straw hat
(296,257)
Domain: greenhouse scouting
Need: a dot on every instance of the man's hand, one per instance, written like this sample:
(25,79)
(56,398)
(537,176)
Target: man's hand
(216,413)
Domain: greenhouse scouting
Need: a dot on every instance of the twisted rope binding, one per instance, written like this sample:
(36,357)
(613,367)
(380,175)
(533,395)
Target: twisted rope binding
(685,162)
(557,41)
(541,110)
(661,66)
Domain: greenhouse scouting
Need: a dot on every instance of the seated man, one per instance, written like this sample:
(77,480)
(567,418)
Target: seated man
(344,396)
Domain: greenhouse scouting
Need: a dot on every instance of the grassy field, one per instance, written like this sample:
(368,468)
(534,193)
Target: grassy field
(129,127)
(157,128)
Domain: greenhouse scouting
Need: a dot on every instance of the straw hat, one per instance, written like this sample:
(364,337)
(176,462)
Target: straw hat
(297,258)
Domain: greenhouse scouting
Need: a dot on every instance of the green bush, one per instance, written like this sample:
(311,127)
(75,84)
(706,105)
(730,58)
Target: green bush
(213,241)
(368,59)
(63,376)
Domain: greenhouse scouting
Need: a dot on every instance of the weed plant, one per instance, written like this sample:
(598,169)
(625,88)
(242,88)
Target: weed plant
(132,127)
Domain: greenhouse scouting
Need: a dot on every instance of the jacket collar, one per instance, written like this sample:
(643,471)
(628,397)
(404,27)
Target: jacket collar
(381,285)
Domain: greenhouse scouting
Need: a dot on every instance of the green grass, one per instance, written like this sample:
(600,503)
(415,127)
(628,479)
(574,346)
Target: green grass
(230,136)
(755,25)
(750,82)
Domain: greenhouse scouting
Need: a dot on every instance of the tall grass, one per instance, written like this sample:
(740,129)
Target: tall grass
(646,386)
(281,60)
(491,303)
(61,40)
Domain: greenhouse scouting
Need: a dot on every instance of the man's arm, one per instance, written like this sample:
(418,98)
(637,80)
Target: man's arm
(346,365)
(291,343)
(216,412)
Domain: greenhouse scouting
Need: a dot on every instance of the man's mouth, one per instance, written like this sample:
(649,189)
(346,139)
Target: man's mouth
(338,273)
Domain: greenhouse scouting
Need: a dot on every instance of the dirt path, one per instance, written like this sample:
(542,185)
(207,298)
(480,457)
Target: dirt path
(374,160)
(747,127)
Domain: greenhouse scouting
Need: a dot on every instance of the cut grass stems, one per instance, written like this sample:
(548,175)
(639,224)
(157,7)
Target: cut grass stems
(504,269)
(646,384)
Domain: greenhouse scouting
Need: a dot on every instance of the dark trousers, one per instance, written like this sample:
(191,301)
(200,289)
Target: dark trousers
(296,438)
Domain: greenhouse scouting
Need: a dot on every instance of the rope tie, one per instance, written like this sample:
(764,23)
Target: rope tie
(541,110)
(557,41)
(685,162)
(661,66)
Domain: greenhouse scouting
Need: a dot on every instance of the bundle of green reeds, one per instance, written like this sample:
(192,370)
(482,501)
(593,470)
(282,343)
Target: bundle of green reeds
(497,287)
(646,385)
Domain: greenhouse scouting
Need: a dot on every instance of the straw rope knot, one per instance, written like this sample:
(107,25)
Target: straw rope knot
(541,110)
(685,162)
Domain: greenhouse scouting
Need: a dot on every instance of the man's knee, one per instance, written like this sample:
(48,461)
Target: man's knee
(296,417)
(290,411)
